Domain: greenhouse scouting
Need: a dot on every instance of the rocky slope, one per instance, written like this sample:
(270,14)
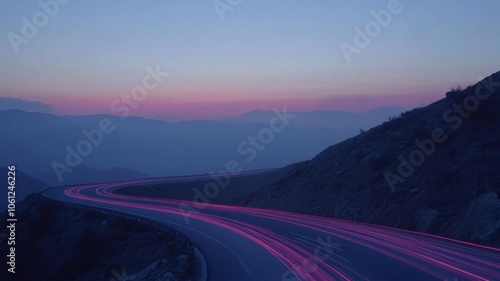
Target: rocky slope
(433,169)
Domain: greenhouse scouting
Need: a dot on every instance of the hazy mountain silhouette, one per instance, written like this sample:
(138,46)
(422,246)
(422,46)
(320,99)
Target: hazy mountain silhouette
(433,169)
(7,103)
(84,174)
(140,147)
(324,118)
(24,185)
(17,122)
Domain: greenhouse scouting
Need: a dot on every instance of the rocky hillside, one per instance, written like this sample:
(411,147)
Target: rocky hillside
(57,241)
(433,169)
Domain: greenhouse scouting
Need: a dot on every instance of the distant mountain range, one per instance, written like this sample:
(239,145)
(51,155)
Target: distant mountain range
(333,119)
(7,103)
(433,169)
(139,147)
(24,185)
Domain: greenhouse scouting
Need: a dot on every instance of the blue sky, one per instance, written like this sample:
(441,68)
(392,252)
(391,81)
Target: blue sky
(262,53)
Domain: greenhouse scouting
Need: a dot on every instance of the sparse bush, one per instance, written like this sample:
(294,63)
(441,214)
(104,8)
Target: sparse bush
(454,90)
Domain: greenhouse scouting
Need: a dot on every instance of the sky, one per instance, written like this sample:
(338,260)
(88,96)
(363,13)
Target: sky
(228,57)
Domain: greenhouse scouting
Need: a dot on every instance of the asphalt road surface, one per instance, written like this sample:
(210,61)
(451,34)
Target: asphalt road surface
(241,243)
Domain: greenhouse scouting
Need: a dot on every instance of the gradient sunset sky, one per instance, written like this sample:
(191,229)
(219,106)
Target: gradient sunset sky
(263,54)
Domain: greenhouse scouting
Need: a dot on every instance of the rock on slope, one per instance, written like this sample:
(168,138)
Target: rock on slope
(433,169)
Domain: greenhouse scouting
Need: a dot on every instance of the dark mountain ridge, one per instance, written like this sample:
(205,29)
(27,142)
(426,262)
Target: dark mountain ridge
(433,169)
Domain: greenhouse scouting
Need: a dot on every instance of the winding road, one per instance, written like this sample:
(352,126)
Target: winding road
(241,243)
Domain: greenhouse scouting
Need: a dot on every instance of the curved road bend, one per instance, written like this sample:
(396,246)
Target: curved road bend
(242,243)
